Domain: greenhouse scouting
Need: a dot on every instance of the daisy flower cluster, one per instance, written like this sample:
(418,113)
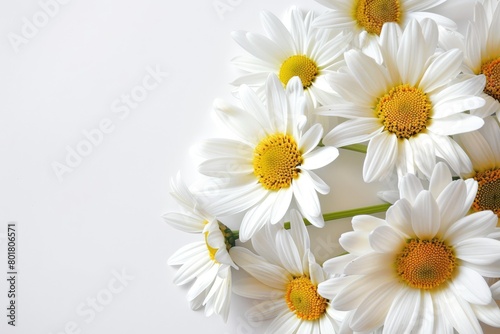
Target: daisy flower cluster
(421,99)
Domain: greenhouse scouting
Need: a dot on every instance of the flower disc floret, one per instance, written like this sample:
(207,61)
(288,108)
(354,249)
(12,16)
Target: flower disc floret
(301,66)
(404,111)
(491,70)
(372,14)
(276,161)
(425,264)
(303,299)
(488,193)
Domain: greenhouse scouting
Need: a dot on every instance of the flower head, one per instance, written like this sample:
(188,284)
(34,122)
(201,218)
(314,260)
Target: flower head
(285,276)
(367,17)
(481,47)
(423,267)
(207,262)
(483,148)
(271,162)
(408,107)
(296,49)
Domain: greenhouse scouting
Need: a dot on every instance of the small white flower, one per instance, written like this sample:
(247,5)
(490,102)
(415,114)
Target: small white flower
(296,49)
(483,148)
(284,278)
(481,47)
(366,17)
(408,107)
(421,269)
(272,161)
(205,263)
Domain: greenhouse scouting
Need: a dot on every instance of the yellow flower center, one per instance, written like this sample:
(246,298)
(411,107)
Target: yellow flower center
(488,192)
(372,14)
(404,111)
(301,66)
(491,70)
(276,160)
(303,299)
(425,264)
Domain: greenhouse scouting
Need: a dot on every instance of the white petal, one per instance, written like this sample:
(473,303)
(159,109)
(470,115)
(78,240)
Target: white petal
(399,217)
(488,314)
(288,253)
(471,286)
(372,312)
(451,204)
(385,239)
(285,322)
(478,224)
(423,153)
(311,138)
(409,187)
(372,76)
(457,312)
(306,195)
(380,157)
(403,312)
(352,132)
(184,222)
(369,264)
(440,178)
(410,58)
(425,217)
(320,157)
(479,251)
(444,67)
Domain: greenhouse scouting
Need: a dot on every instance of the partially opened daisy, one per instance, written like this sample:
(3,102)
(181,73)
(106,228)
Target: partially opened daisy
(205,263)
(408,106)
(366,17)
(284,278)
(483,148)
(271,162)
(421,269)
(481,47)
(295,49)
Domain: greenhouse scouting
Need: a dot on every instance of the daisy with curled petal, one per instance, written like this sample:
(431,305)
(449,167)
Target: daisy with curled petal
(422,268)
(205,263)
(294,50)
(483,148)
(408,106)
(481,47)
(273,160)
(284,277)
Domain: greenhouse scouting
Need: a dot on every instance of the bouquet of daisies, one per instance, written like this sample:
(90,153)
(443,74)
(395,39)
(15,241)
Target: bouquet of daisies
(422,101)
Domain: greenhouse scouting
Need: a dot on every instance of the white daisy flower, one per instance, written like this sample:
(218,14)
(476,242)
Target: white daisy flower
(205,263)
(407,107)
(272,161)
(295,49)
(481,47)
(284,277)
(483,148)
(421,269)
(366,17)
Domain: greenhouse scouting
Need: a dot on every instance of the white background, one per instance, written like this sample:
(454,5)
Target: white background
(102,216)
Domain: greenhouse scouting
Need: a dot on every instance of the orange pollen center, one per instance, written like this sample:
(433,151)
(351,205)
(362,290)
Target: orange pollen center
(276,160)
(303,299)
(372,14)
(404,111)
(491,70)
(488,192)
(425,264)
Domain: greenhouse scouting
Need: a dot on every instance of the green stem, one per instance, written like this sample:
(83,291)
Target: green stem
(339,215)
(355,147)
(350,213)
